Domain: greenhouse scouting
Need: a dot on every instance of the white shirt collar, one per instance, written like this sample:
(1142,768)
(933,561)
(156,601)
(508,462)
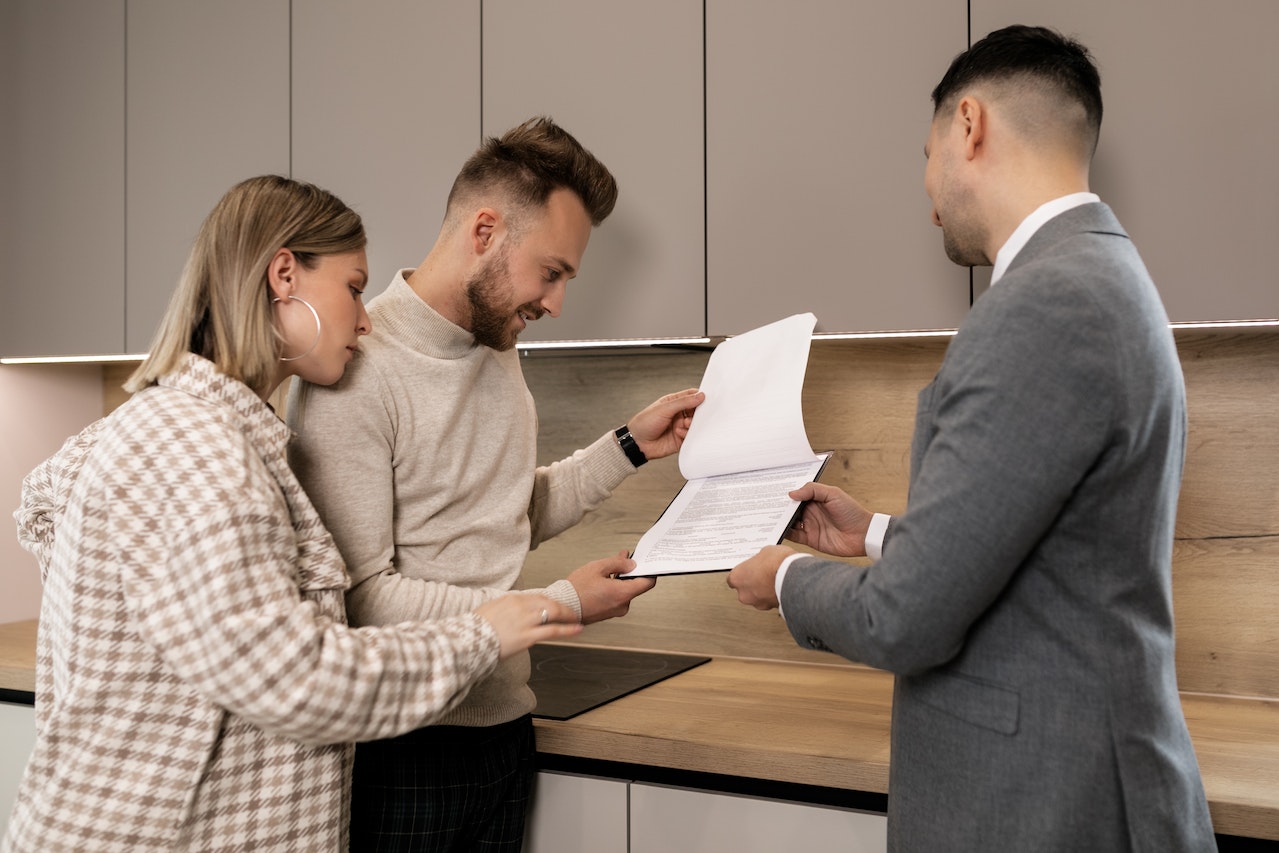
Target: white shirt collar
(1046,211)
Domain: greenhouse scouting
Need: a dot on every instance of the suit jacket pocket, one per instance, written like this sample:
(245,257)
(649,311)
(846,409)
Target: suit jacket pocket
(973,700)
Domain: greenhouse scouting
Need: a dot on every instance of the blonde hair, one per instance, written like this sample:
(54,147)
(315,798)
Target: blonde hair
(221,309)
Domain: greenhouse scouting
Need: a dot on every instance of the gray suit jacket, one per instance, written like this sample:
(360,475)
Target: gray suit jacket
(1024,597)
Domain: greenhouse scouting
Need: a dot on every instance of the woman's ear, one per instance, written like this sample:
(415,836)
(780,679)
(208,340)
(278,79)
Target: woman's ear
(280,272)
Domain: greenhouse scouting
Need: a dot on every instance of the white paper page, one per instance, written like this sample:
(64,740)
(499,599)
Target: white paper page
(714,523)
(752,417)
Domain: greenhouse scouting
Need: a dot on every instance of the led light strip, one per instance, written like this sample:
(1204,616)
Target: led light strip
(938,333)
(615,343)
(648,342)
(73,359)
(858,336)
(1225,324)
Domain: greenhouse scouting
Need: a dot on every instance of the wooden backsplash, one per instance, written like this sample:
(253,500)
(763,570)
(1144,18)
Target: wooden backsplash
(859,401)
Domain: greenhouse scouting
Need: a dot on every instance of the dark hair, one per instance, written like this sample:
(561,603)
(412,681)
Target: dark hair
(529,161)
(1022,53)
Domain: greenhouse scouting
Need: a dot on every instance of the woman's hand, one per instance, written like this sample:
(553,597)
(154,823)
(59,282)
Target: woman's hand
(523,619)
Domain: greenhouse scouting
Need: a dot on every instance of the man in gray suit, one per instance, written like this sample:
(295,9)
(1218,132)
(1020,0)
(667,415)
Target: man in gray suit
(1023,600)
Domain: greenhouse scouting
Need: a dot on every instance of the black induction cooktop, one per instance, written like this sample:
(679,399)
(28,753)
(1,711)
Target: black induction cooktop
(569,680)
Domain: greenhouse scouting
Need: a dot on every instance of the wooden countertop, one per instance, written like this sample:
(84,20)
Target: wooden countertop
(18,656)
(785,722)
(813,724)
(828,725)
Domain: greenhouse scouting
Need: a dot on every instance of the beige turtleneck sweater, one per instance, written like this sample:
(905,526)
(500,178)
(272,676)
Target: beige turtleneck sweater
(422,463)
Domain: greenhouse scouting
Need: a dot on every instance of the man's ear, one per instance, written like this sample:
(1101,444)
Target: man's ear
(972,116)
(484,228)
(280,272)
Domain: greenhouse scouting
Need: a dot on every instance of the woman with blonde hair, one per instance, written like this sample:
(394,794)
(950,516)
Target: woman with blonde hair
(197,685)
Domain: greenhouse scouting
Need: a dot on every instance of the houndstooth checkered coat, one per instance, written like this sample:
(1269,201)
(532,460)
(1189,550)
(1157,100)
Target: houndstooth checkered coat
(197,687)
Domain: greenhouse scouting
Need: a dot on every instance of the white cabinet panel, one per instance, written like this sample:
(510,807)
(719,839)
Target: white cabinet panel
(62,177)
(677,819)
(625,79)
(17,737)
(1187,151)
(817,112)
(576,814)
(386,108)
(208,106)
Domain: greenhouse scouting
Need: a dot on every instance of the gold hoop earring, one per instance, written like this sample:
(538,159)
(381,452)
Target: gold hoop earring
(314,314)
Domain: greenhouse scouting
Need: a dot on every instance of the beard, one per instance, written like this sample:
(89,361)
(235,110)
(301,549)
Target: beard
(963,237)
(490,293)
(964,246)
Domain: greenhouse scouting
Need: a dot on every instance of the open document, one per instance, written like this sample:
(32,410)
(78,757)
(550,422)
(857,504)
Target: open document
(746,449)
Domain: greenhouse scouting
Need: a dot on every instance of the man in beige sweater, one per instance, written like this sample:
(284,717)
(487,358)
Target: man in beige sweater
(422,463)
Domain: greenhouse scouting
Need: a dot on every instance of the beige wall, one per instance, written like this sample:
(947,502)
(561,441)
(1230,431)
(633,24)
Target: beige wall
(40,406)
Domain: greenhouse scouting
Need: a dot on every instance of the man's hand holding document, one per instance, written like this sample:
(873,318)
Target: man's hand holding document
(745,451)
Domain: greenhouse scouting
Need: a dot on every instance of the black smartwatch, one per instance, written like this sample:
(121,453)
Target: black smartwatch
(626,441)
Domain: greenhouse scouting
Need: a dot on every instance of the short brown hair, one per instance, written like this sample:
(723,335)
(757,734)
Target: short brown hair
(529,161)
(221,309)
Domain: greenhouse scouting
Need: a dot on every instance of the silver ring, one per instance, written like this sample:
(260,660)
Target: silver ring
(545,616)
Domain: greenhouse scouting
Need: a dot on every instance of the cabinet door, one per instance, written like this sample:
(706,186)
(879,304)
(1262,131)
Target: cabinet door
(665,819)
(208,106)
(625,79)
(62,177)
(576,814)
(817,112)
(17,738)
(1187,152)
(386,108)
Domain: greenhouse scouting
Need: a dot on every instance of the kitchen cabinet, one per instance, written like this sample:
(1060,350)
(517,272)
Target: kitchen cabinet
(817,112)
(572,813)
(626,80)
(769,156)
(208,106)
(1186,156)
(667,818)
(386,108)
(62,177)
(569,813)
(17,738)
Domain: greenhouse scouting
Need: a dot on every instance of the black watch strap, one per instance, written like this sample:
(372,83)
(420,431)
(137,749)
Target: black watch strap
(626,441)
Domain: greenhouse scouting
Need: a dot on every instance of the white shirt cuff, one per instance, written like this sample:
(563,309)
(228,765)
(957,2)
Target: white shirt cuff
(875,535)
(781,577)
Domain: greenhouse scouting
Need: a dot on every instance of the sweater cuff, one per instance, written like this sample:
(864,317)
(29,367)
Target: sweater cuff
(488,643)
(606,462)
(563,592)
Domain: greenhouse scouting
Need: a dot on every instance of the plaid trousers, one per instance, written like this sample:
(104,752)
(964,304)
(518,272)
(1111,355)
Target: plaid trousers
(444,788)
